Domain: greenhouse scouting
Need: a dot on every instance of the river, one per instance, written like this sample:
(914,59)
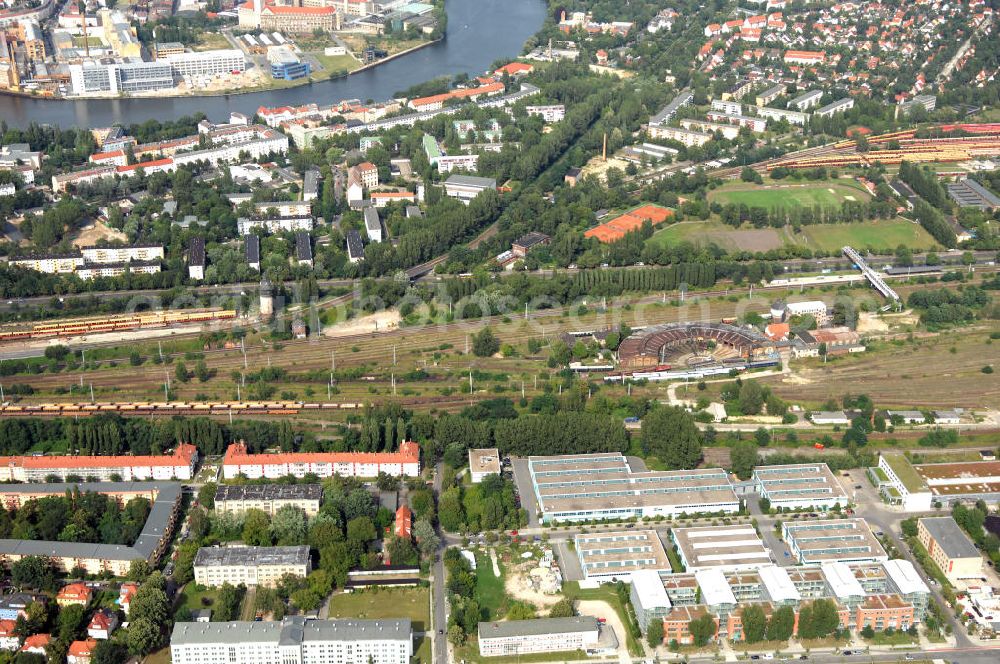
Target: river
(479,32)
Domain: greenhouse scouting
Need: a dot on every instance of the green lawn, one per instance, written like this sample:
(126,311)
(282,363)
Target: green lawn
(894,639)
(373,604)
(191,598)
(786,193)
(884,234)
(336,63)
(490,591)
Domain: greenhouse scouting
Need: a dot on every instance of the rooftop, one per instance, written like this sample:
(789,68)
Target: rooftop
(484,460)
(251,556)
(721,547)
(904,470)
(269,492)
(950,537)
(621,551)
(293,630)
(538,626)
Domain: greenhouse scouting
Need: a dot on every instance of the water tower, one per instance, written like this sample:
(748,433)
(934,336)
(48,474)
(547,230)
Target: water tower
(266,299)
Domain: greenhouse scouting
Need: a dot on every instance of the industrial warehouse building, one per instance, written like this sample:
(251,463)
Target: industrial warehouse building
(295,639)
(615,556)
(727,548)
(591,487)
(268,498)
(250,565)
(800,486)
(165,501)
(950,548)
(918,486)
(842,540)
(521,637)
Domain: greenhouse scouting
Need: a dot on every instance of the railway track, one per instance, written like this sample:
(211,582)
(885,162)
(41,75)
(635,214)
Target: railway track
(109,324)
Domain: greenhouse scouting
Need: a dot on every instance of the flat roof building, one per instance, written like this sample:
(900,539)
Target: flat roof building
(250,565)
(293,639)
(720,547)
(649,597)
(799,486)
(268,498)
(950,548)
(843,540)
(614,556)
(903,485)
(590,487)
(483,462)
(522,637)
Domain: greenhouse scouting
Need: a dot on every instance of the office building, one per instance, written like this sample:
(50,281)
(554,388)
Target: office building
(799,486)
(614,556)
(119,77)
(511,638)
(293,640)
(728,548)
(483,462)
(918,486)
(404,463)
(268,498)
(250,565)
(844,540)
(286,65)
(218,62)
(589,487)
(950,548)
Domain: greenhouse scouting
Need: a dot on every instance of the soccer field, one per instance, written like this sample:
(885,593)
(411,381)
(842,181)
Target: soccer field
(773,195)
(885,234)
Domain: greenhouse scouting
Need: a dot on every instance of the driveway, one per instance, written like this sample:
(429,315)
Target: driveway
(524,487)
(601,609)
(569,562)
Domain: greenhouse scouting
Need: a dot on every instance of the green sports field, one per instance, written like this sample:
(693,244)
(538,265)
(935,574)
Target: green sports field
(885,234)
(780,194)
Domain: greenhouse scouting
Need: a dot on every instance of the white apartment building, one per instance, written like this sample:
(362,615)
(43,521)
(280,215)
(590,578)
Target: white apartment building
(293,224)
(550,113)
(373,225)
(839,106)
(688,137)
(250,565)
(806,100)
(510,638)
(268,498)
(793,117)
(294,640)
(447,163)
(147,252)
(177,466)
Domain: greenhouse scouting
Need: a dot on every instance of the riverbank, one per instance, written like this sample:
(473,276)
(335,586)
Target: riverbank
(281,85)
(479,32)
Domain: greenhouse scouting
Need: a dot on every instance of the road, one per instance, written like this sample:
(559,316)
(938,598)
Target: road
(439,608)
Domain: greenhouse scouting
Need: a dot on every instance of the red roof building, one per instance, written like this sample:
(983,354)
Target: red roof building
(74,593)
(238,461)
(515,69)
(177,466)
(404,522)
(36,643)
(81,651)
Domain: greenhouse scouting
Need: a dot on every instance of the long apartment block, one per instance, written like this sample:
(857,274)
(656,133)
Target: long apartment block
(591,487)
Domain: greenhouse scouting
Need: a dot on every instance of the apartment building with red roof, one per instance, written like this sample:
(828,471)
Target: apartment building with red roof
(239,461)
(404,522)
(179,465)
(74,593)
